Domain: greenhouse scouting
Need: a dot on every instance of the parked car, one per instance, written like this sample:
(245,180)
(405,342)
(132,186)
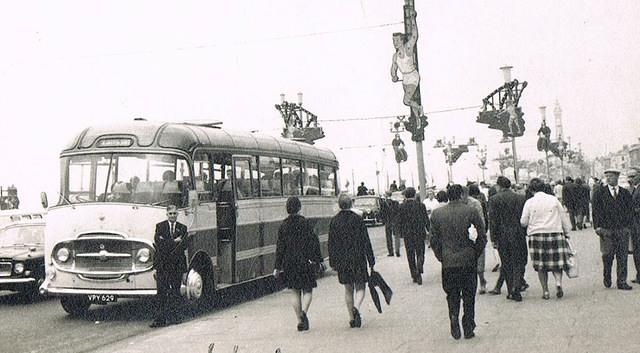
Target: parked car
(370,207)
(22,256)
(9,216)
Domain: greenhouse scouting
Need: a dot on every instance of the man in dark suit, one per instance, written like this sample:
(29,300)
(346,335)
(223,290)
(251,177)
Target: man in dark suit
(459,256)
(505,210)
(388,210)
(170,241)
(634,179)
(413,224)
(612,218)
(570,199)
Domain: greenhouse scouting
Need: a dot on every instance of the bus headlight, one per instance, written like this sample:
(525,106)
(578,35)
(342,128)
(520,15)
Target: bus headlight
(143,255)
(18,268)
(62,255)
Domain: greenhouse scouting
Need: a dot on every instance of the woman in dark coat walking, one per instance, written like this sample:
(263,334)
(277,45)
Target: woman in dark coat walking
(349,252)
(297,259)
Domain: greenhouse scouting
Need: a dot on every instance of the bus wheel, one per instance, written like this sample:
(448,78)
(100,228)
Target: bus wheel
(199,287)
(75,306)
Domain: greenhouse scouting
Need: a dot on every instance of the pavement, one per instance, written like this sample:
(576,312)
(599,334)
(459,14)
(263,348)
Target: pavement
(589,318)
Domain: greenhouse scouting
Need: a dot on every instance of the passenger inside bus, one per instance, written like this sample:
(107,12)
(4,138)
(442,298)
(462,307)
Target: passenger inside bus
(171,189)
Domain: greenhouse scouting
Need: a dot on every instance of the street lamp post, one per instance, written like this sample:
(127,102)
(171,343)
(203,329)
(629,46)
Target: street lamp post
(543,113)
(482,156)
(506,71)
(452,152)
(557,111)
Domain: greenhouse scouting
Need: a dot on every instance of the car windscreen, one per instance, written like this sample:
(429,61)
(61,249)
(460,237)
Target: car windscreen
(365,202)
(22,235)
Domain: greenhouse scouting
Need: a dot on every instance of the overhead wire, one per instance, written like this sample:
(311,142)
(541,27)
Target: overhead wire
(397,115)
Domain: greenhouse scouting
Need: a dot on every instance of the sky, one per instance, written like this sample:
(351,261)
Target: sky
(66,65)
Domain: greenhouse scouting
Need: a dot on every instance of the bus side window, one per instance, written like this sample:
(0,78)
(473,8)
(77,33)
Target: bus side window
(222,181)
(327,181)
(270,176)
(310,178)
(246,175)
(291,177)
(202,173)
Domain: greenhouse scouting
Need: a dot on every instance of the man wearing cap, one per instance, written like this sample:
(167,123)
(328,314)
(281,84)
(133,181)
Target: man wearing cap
(612,221)
(634,179)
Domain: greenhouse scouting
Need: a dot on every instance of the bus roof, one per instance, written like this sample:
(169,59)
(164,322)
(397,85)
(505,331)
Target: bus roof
(187,137)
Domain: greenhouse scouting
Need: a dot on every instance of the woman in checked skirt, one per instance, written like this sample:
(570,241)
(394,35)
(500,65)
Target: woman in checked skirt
(547,230)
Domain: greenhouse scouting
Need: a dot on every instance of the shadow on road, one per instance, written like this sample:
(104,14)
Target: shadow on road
(133,310)
(17,298)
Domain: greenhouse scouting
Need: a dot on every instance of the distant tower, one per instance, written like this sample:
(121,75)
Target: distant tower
(557,111)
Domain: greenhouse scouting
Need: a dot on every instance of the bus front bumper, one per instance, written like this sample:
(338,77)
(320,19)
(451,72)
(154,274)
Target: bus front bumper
(121,293)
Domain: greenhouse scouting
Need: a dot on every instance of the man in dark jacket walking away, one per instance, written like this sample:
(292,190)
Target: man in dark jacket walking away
(388,211)
(505,211)
(413,224)
(570,196)
(458,255)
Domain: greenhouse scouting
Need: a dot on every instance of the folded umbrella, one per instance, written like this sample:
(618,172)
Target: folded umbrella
(375,296)
(377,281)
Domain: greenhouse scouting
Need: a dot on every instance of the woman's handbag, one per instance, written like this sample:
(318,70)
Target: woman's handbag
(572,261)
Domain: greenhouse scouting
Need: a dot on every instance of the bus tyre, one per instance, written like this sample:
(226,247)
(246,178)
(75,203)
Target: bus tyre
(75,306)
(199,287)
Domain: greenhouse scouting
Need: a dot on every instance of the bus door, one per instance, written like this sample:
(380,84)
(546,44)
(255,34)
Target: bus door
(225,217)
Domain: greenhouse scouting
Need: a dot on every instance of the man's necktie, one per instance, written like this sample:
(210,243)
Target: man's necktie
(173,228)
(615,193)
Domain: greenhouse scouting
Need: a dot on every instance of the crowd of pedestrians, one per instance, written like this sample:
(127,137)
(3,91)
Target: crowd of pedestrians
(523,224)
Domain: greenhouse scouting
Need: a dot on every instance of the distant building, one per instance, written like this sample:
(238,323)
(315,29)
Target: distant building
(634,154)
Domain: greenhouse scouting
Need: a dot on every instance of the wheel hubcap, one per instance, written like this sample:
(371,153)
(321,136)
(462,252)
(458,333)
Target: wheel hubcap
(194,285)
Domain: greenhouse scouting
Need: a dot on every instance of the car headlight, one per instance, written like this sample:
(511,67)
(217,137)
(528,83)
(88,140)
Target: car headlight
(143,255)
(62,254)
(18,268)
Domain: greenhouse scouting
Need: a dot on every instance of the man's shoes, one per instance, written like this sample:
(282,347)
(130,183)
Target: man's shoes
(637,280)
(390,254)
(158,323)
(516,297)
(574,228)
(607,282)
(624,286)
(494,291)
(470,334)
(524,287)
(559,292)
(397,254)
(419,280)
(455,329)
(483,289)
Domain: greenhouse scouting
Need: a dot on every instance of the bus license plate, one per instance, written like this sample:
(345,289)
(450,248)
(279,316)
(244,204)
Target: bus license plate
(102,298)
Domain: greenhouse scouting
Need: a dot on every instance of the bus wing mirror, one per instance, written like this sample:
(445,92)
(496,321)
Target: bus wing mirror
(193,198)
(43,200)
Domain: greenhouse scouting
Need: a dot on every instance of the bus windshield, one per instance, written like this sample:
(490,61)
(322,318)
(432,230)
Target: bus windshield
(140,178)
